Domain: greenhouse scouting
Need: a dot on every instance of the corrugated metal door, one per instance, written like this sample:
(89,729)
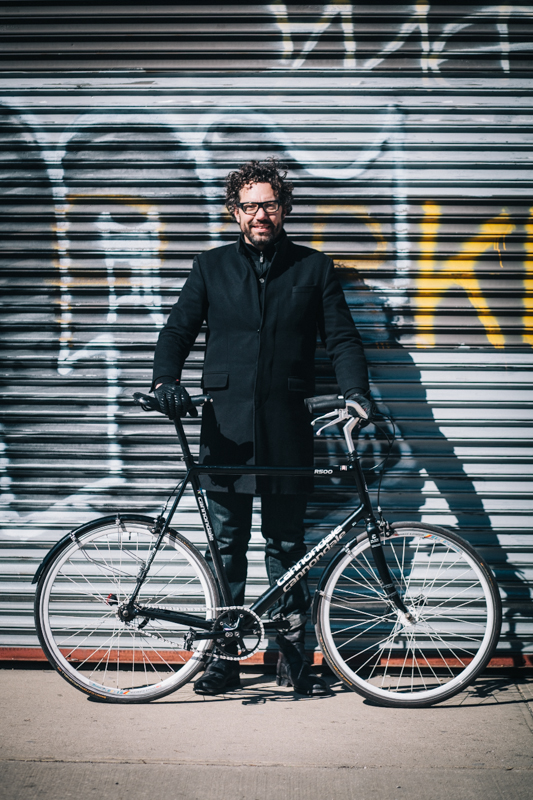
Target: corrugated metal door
(407,130)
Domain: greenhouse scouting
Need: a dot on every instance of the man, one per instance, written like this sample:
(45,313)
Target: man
(263,299)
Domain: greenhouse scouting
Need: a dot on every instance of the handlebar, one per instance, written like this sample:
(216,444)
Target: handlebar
(335,402)
(148,403)
(325,402)
(315,405)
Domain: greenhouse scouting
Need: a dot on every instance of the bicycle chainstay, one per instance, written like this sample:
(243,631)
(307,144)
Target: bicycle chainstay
(189,636)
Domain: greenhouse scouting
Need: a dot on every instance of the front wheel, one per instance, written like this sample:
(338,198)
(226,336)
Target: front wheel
(425,656)
(82,589)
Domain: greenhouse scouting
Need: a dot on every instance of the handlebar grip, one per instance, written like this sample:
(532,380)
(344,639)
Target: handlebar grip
(148,403)
(325,402)
(201,399)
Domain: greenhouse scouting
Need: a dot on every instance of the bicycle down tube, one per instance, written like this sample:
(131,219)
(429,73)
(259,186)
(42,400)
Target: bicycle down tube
(296,572)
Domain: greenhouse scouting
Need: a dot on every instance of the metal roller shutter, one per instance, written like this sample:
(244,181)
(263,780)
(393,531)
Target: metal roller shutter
(407,130)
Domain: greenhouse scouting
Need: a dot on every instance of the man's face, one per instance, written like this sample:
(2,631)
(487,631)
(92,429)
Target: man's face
(261,228)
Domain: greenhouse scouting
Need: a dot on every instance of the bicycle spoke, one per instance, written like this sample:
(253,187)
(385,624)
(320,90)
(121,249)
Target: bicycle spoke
(89,594)
(88,631)
(359,610)
(83,611)
(437,637)
(366,584)
(424,653)
(450,599)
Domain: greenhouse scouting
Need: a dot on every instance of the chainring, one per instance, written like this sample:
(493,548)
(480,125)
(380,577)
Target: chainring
(235,623)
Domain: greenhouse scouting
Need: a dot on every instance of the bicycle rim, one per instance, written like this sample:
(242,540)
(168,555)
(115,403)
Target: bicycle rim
(377,651)
(77,604)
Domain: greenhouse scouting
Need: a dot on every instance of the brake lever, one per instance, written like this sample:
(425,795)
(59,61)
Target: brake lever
(339,415)
(353,422)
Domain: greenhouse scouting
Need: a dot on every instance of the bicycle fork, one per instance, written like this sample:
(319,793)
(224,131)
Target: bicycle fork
(373,530)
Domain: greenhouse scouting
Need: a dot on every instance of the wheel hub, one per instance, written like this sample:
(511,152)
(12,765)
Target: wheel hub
(409,619)
(125,613)
(414,612)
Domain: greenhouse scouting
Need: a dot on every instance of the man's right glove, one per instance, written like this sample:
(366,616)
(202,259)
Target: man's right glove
(174,400)
(366,402)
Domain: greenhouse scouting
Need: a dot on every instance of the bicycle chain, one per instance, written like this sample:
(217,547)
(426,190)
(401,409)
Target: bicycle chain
(157,636)
(144,632)
(219,610)
(177,608)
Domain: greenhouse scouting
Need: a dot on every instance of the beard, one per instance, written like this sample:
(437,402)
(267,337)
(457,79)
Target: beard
(262,238)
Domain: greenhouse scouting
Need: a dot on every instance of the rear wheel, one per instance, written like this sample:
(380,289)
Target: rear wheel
(454,608)
(78,602)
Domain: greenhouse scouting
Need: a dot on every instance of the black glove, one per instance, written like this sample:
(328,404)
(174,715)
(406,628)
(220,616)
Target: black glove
(174,400)
(366,402)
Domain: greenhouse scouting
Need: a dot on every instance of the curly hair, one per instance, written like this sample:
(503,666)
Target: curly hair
(268,171)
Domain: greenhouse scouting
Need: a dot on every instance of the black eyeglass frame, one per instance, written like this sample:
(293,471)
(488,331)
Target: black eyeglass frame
(259,205)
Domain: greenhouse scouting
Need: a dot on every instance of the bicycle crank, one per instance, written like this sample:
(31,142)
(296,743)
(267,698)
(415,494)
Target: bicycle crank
(235,625)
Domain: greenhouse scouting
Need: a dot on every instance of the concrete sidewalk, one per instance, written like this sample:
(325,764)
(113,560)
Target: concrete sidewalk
(264,742)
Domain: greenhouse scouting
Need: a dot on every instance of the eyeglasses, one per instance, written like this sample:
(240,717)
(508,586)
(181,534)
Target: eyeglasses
(269,206)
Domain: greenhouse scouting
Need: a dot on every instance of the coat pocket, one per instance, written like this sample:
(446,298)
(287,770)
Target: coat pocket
(297,290)
(298,385)
(215,380)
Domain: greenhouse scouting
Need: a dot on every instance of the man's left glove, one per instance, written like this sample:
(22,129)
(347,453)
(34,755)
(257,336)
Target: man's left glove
(366,402)
(174,400)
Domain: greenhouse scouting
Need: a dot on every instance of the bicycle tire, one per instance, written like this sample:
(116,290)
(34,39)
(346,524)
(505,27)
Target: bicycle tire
(76,610)
(375,650)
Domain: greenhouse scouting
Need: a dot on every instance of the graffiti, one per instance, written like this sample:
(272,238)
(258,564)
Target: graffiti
(528,282)
(438,43)
(435,276)
(355,212)
(131,254)
(460,272)
(329,15)
(499,16)
(134,189)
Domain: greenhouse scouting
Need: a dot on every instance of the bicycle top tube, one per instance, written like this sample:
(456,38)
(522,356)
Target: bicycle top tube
(253,469)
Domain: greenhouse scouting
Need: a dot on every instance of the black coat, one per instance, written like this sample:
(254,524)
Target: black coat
(259,363)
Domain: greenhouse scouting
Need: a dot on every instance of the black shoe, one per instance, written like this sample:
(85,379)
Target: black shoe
(293,669)
(220,676)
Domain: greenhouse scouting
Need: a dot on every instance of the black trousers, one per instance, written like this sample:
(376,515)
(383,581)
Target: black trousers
(282,526)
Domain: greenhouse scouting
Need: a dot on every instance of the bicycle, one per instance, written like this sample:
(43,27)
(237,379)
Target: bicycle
(128,610)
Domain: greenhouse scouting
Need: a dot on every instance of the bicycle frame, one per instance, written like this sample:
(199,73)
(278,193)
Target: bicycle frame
(295,573)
